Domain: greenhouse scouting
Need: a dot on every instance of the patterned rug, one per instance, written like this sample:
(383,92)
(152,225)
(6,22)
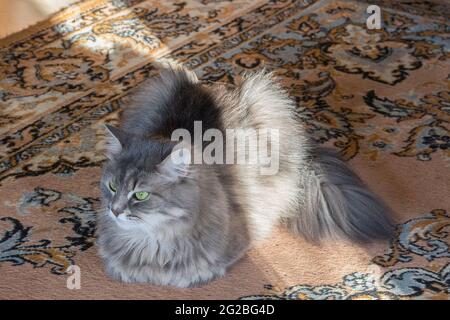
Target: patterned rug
(380,97)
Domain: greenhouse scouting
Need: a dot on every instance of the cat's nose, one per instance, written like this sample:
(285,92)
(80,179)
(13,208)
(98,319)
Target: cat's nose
(115,212)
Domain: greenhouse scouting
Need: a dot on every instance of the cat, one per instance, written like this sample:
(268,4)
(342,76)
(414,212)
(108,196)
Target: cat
(183,224)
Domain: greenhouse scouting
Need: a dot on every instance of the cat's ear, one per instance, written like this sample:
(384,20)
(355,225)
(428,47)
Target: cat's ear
(115,142)
(178,163)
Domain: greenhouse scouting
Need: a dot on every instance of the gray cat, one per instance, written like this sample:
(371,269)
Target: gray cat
(179,223)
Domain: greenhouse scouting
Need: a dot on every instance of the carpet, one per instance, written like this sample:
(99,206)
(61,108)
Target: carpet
(379,97)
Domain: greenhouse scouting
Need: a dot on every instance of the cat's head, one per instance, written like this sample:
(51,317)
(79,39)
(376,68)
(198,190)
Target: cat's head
(147,183)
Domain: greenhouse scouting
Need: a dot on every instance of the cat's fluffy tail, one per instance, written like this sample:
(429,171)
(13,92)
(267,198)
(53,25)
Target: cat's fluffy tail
(337,204)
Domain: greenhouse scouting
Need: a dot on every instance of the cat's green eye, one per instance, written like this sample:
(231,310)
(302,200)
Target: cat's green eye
(141,195)
(112,186)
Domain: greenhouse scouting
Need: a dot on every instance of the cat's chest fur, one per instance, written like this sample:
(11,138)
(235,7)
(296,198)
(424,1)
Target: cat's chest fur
(166,258)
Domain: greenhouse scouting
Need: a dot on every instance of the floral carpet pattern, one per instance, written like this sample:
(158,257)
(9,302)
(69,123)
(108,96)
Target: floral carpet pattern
(380,97)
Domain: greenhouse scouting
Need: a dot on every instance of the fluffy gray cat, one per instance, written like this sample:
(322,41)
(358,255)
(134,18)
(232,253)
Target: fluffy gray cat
(183,224)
